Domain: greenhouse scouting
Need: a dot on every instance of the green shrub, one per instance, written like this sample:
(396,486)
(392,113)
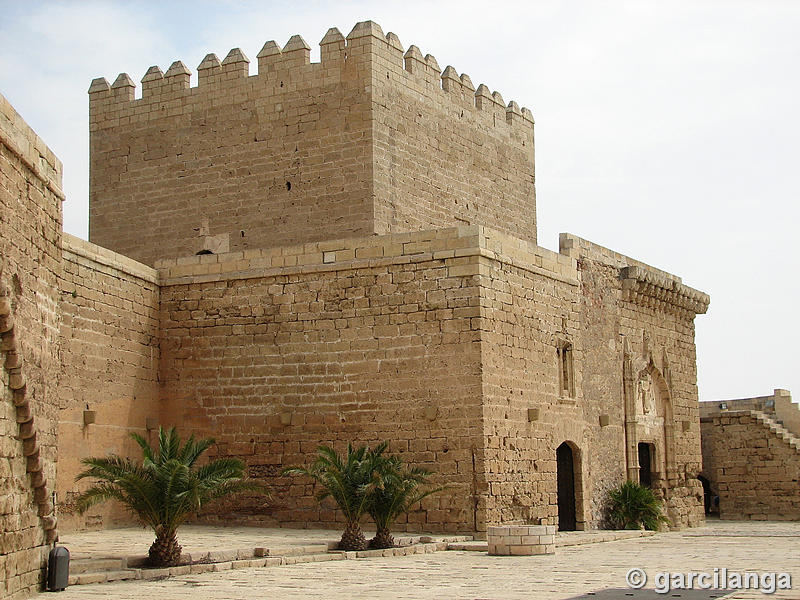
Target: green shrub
(632,506)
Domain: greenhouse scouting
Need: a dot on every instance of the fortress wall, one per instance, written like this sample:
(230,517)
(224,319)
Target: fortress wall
(748,455)
(109,360)
(239,161)
(778,404)
(626,304)
(526,313)
(756,471)
(524,302)
(380,343)
(446,154)
(30,262)
(762,403)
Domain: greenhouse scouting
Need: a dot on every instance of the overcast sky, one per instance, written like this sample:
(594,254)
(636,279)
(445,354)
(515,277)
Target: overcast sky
(667,131)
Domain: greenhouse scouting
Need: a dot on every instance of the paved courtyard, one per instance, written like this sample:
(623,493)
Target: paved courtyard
(572,572)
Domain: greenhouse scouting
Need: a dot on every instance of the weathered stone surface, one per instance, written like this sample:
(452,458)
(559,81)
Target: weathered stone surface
(369,271)
(30,247)
(750,459)
(344,148)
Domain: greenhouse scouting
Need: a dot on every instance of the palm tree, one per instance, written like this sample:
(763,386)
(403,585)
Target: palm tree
(166,488)
(400,488)
(348,480)
(633,506)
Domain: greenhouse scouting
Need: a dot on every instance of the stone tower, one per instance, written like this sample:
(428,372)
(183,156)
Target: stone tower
(370,140)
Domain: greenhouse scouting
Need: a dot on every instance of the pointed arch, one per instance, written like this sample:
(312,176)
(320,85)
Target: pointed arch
(649,416)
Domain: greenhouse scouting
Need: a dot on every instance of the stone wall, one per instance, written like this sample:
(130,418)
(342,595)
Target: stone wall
(276,351)
(787,412)
(536,306)
(636,342)
(30,260)
(109,367)
(236,162)
(453,335)
(751,455)
(529,302)
(753,464)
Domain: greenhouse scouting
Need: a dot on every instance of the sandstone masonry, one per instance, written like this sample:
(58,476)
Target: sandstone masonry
(368,140)
(330,252)
(751,456)
(30,263)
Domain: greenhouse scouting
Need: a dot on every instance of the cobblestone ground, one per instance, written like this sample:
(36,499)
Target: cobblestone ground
(571,572)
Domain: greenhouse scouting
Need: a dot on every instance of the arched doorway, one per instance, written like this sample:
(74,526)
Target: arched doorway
(566,488)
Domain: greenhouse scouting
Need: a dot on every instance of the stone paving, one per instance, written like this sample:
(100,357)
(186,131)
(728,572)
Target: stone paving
(572,572)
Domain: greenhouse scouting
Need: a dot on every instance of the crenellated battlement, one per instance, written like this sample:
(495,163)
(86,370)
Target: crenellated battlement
(373,138)
(288,67)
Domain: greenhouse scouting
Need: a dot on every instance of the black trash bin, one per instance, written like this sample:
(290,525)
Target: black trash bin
(58,569)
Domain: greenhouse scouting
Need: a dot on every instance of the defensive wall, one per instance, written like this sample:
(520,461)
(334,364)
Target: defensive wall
(108,375)
(751,456)
(30,235)
(450,333)
(445,342)
(369,140)
(638,377)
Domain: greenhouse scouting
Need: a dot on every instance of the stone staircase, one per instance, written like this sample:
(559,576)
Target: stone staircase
(777,428)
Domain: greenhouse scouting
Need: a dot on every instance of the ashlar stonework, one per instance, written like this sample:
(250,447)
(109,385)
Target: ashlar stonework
(751,457)
(345,251)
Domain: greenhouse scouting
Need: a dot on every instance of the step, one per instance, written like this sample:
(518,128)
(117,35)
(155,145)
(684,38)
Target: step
(92,565)
(86,570)
(475,546)
(104,576)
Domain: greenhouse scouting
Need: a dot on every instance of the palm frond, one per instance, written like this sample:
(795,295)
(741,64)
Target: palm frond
(166,487)
(633,506)
(193,449)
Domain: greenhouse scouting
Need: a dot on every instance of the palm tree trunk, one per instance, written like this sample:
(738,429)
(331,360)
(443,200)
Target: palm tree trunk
(352,538)
(383,539)
(165,551)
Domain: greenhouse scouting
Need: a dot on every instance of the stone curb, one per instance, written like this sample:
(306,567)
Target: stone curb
(246,563)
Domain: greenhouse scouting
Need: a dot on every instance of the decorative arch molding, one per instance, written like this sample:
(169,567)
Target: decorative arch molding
(649,415)
(26,423)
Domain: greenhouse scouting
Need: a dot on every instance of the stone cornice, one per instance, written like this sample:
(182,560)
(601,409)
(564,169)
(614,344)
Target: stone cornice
(647,288)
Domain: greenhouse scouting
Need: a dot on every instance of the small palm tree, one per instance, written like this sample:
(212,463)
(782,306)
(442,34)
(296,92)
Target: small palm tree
(348,480)
(399,489)
(633,506)
(166,488)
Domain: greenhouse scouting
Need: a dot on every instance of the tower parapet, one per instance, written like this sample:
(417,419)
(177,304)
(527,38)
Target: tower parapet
(335,51)
(289,154)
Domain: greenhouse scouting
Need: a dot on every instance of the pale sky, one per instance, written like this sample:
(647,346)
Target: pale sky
(667,131)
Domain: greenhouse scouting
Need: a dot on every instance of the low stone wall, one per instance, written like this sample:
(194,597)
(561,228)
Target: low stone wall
(522,540)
